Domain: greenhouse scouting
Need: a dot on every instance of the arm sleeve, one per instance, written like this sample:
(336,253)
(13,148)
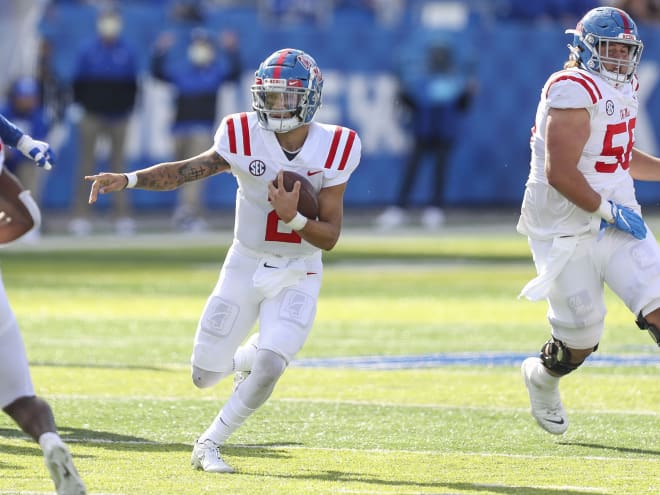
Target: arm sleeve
(9,133)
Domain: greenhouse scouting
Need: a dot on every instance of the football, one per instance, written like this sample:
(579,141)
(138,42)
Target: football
(308,200)
(21,220)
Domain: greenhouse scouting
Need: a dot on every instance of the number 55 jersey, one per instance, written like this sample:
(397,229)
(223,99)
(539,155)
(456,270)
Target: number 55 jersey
(604,162)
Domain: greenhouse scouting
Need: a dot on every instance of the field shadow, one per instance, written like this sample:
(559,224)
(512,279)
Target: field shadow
(119,442)
(347,477)
(627,450)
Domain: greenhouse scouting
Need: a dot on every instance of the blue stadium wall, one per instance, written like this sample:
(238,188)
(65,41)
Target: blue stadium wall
(490,162)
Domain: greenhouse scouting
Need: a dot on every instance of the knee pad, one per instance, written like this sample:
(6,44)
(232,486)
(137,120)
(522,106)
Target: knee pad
(204,378)
(556,357)
(654,331)
(268,367)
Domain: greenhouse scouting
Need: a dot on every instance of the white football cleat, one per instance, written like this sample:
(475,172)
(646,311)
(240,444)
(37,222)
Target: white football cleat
(391,218)
(206,456)
(547,409)
(433,218)
(60,464)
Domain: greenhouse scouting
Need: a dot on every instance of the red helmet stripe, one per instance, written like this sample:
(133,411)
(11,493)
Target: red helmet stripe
(627,26)
(280,61)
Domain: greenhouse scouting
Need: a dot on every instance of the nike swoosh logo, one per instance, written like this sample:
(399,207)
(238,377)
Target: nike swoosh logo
(555,421)
(266,265)
(313,172)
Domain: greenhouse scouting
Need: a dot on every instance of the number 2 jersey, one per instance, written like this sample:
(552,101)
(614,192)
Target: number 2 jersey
(328,157)
(605,159)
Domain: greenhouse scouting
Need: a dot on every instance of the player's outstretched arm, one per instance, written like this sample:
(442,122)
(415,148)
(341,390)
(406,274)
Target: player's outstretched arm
(160,177)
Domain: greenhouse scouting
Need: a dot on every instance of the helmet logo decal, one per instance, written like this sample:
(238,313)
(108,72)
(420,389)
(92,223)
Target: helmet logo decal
(306,61)
(257,168)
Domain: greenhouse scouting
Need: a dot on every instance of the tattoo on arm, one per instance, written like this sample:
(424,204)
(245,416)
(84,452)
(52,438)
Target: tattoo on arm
(167,176)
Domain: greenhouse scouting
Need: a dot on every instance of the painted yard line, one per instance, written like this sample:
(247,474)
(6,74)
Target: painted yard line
(134,398)
(412,361)
(489,359)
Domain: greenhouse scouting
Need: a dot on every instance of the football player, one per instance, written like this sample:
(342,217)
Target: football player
(19,214)
(579,210)
(272,272)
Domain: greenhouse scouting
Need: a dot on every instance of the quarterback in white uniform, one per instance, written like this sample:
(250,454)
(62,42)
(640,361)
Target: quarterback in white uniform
(579,210)
(19,214)
(272,273)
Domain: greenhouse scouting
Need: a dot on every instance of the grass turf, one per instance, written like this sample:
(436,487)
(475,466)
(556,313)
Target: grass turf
(109,331)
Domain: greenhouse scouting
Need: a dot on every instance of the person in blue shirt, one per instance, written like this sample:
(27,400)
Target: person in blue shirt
(196,80)
(105,88)
(25,109)
(435,93)
(19,214)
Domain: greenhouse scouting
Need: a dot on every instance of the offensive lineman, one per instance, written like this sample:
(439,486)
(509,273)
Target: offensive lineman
(17,398)
(272,272)
(579,210)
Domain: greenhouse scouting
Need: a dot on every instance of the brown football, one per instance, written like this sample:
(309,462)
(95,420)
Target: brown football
(21,220)
(308,200)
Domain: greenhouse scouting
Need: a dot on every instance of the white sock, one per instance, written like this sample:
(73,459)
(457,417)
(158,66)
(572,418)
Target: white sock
(244,356)
(228,420)
(48,440)
(543,379)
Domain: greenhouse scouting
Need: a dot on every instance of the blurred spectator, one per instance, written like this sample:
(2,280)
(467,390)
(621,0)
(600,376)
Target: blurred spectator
(25,110)
(196,81)
(643,11)
(105,87)
(385,12)
(434,94)
(293,12)
(565,11)
(55,93)
(187,11)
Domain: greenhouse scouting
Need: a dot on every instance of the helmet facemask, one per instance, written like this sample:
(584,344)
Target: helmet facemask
(280,108)
(621,69)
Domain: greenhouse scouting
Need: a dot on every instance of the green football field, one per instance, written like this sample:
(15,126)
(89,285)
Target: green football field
(409,383)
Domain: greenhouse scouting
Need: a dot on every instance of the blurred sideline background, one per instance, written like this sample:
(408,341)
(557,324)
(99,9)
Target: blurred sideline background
(360,45)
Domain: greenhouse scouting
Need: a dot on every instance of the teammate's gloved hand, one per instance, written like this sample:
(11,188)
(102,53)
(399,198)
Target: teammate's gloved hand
(622,218)
(39,151)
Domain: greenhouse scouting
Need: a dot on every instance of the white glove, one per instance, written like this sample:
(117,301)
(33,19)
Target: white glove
(39,151)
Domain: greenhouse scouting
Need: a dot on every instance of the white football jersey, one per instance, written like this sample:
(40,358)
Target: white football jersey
(328,157)
(605,158)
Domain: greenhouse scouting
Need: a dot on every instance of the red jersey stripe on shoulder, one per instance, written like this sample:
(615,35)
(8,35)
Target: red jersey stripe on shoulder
(347,149)
(247,150)
(588,85)
(231,134)
(593,84)
(333,147)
